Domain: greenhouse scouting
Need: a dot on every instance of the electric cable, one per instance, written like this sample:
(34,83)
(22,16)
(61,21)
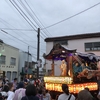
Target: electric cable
(17,38)
(23,15)
(71,16)
(26,9)
(35,15)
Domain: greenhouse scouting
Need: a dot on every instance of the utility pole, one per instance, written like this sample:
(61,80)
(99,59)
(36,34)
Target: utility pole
(28,58)
(38,50)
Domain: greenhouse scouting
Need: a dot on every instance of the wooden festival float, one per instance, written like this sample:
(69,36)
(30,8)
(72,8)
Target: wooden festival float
(53,83)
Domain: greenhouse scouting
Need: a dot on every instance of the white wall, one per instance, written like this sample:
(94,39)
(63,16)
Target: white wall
(49,46)
(79,45)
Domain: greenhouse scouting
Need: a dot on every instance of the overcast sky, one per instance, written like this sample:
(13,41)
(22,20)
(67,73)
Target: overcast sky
(48,12)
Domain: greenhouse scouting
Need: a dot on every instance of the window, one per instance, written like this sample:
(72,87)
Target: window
(64,42)
(14,74)
(2,59)
(9,75)
(13,61)
(93,46)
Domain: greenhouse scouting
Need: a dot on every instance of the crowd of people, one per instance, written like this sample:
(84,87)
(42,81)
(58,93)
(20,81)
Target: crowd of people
(35,90)
(24,90)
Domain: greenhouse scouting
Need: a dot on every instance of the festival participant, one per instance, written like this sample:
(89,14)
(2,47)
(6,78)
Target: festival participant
(1,84)
(84,95)
(66,95)
(46,95)
(30,93)
(15,83)
(40,94)
(5,91)
(10,92)
(1,97)
(37,82)
(98,76)
(98,96)
(20,91)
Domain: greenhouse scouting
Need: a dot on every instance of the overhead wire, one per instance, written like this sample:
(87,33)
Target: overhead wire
(20,11)
(36,16)
(71,16)
(22,14)
(3,21)
(31,15)
(18,39)
(26,43)
(18,29)
(12,39)
(12,30)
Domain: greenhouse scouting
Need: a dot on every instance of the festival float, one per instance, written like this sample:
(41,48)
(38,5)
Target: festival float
(86,78)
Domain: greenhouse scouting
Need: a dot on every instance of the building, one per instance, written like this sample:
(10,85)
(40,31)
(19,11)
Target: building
(9,57)
(26,65)
(85,43)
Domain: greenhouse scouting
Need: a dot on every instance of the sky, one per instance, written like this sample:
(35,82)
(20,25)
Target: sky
(41,14)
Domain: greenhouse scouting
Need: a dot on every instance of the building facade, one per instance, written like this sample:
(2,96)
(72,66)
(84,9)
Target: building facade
(25,63)
(85,43)
(9,57)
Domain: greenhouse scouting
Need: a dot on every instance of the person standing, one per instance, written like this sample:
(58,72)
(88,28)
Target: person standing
(1,84)
(20,91)
(47,95)
(84,95)
(66,95)
(40,94)
(30,93)
(4,92)
(15,83)
(10,92)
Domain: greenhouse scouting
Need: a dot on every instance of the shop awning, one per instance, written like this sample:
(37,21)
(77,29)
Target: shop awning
(26,71)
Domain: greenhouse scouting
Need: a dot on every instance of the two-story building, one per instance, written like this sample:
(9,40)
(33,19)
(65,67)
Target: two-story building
(9,57)
(85,43)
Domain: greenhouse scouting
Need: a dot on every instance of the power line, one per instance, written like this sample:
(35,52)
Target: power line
(13,30)
(35,15)
(20,40)
(21,30)
(11,25)
(22,14)
(18,29)
(19,48)
(71,16)
(17,38)
(31,15)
